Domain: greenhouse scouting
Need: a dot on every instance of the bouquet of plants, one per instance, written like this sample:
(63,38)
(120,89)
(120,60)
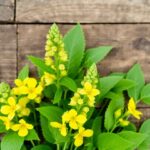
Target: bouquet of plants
(69,106)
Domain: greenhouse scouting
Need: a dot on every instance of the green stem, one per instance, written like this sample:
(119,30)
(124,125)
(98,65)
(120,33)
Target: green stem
(71,148)
(65,146)
(75,148)
(32,143)
(58,147)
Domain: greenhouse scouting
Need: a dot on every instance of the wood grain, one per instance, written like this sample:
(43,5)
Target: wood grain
(6,10)
(8,53)
(84,11)
(131,44)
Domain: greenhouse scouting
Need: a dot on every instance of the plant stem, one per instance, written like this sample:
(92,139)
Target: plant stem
(58,147)
(65,146)
(75,148)
(32,143)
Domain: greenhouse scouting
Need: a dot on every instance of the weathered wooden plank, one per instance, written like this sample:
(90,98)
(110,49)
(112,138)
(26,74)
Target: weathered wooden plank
(86,11)
(8,53)
(131,44)
(6,10)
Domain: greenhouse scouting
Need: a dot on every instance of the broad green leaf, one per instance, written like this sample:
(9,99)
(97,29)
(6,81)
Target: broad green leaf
(112,141)
(42,147)
(134,137)
(69,83)
(52,113)
(96,127)
(124,84)
(145,94)
(116,103)
(145,128)
(75,46)
(12,141)
(45,129)
(32,135)
(24,73)
(94,55)
(2,127)
(40,64)
(107,83)
(136,74)
(57,96)
(130,127)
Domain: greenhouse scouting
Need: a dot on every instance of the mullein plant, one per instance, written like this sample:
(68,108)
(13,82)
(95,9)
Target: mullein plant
(70,106)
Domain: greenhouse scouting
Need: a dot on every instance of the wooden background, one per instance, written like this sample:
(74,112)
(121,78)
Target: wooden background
(125,25)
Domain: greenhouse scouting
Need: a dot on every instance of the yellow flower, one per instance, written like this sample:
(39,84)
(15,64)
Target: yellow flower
(6,121)
(48,78)
(89,91)
(23,110)
(74,120)
(22,128)
(123,122)
(80,135)
(118,113)
(32,89)
(10,109)
(62,127)
(75,100)
(132,109)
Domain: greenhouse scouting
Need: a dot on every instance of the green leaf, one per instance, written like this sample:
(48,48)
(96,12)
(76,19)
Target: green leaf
(45,129)
(57,96)
(107,83)
(69,83)
(32,135)
(2,127)
(124,84)
(136,74)
(145,94)
(52,113)
(11,141)
(96,127)
(130,127)
(24,73)
(145,145)
(94,55)
(112,141)
(42,147)
(135,138)
(75,46)
(116,103)
(40,64)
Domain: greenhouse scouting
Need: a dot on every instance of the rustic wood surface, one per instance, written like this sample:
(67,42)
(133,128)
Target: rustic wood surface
(6,10)
(8,53)
(125,25)
(86,11)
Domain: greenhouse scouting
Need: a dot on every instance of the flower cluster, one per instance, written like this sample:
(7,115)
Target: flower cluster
(81,103)
(15,108)
(55,56)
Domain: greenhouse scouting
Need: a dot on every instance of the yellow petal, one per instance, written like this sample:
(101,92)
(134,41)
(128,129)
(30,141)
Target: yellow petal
(31,82)
(78,141)
(55,124)
(18,82)
(5,109)
(39,89)
(29,126)
(95,92)
(131,105)
(87,86)
(66,117)
(22,121)
(23,90)
(73,113)
(73,124)
(11,101)
(63,130)
(32,95)
(23,132)
(15,127)
(88,133)
(11,115)
(81,119)
(137,114)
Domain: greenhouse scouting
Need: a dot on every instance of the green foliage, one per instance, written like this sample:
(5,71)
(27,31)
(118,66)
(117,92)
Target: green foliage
(32,135)
(75,46)
(94,55)
(136,74)
(24,73)
(58,95)
(42,147)
(11,141)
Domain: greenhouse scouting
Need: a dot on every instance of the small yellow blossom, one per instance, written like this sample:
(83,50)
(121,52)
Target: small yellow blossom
(74,120)
(81,134)
(6,121)
(118,113)
(22,128)
(76,99)
(10,109)
(123,122)
(132,109)
(89,91)
(62,127)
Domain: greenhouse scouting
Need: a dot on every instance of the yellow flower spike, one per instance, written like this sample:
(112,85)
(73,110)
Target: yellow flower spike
(22,128)
(6,121)
(62,127)
(75,99)
(10,109)
(132,109)
(81,134)
(74,119)
(48,78)
(123,122)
